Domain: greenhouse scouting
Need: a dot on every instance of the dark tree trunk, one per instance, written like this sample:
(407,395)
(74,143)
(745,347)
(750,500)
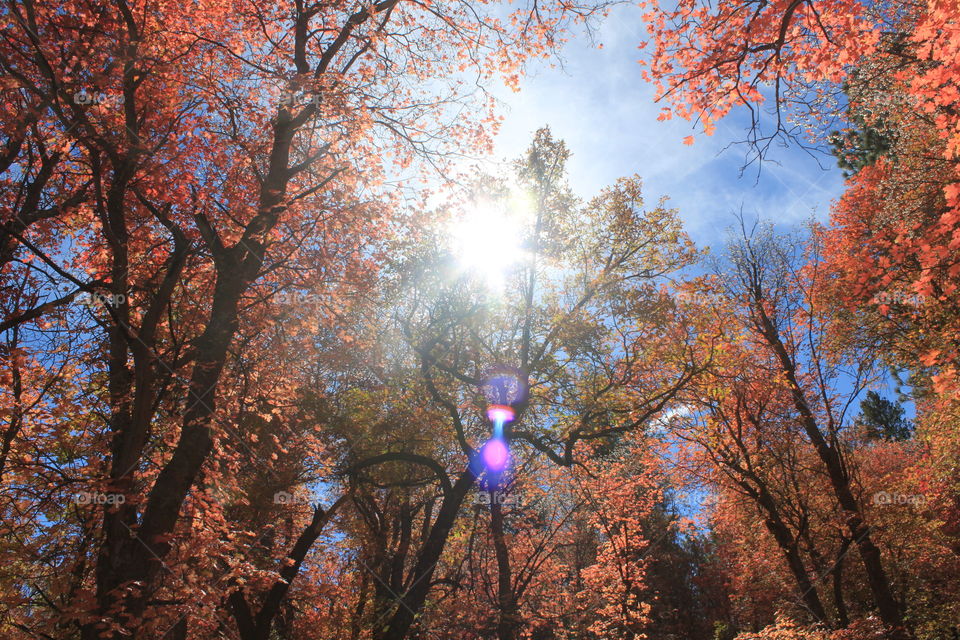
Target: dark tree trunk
(859,531)
(508,619)
(843,618)
(788,544)
(411,604)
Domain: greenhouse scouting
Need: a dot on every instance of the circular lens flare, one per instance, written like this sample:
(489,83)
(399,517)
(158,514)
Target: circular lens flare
(504,386)
(495,455)
(498,413)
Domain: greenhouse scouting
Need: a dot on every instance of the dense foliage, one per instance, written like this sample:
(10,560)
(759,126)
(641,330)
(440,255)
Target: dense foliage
(249,350)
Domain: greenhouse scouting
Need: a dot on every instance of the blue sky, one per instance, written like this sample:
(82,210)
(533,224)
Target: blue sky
(599,104)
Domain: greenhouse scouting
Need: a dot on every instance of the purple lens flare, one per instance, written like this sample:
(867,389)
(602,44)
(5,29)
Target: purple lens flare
(499,415)
(505,386)
(495,455)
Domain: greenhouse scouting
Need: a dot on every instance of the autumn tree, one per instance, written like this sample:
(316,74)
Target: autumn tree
(578,318)
(744,446)
(880,81)
(168,172)
(775,303)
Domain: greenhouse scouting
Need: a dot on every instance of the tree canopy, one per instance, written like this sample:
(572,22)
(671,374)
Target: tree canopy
(280,359)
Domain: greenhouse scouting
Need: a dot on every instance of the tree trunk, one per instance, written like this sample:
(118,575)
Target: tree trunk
(508,622)
(879,583)
(410,605)
(788,544)
(843,618)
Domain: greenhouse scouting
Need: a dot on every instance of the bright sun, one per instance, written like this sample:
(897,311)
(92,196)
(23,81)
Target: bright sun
(486,240)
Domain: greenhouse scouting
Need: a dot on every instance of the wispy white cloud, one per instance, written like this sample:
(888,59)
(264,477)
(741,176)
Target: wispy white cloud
(598,102)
